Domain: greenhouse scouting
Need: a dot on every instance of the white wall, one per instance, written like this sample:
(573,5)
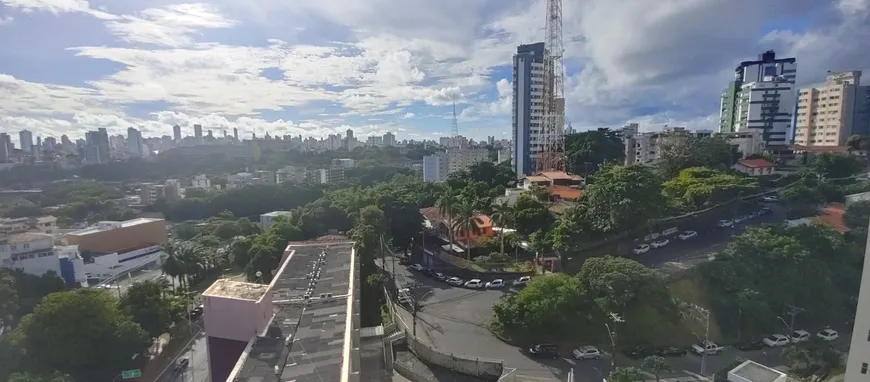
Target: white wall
(859,351)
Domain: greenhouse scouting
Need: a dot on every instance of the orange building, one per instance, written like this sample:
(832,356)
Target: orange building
(121,237)
(441,225)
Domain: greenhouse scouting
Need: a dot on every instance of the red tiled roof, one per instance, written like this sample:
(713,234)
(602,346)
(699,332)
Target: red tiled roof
(565,192)
(433,215)
(756,163)
(832,214)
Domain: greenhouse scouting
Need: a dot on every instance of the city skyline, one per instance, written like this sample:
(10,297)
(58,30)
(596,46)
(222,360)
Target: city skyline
(362,66)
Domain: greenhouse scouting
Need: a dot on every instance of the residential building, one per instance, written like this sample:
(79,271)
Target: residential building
(268,219)
(305,319)
(31,252)
(828,114)
(44,224)
(290,174)
(265,176)
(134,143)
(440,225)
(5,148)
(463,158)
(559,185)
(97,149)
(750,371)
(762,98)
(528,107)
(242,179)
(859,351)
(344,163)
(389,139)
(25,138)
(647,146)
(201,181)
(747,143)
(435,167)
(330,175)
(197,133)
(504,155)
(150,193)
(172,189)
(755,167)
(375,141)
(176,133)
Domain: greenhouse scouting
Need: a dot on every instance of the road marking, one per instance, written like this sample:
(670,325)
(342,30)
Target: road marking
(571,361)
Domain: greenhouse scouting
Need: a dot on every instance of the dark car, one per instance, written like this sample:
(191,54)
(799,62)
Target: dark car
(404,261)
(182,363)
(755,344)
(544,351)
(430,272)
(196,313)
(641,351)
(671,351)
(764,211)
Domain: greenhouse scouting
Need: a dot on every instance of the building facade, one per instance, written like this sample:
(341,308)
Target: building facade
(33,253)
(859,350)
(150,193)
(26,139)
(762,98)
(290,174)
(267,220)
(201,181)
(461,159)
(343,162)
(828,114)
(119,237)
(330,175)
(435,167)
(527,107)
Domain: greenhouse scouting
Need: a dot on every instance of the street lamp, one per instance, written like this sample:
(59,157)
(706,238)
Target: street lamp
(612,333)
(417,307)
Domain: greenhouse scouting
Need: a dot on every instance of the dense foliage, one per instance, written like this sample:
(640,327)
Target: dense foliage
(587,151)
(680,153)
(699,187)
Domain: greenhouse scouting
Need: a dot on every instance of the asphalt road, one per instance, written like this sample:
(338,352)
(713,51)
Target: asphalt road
(198,370)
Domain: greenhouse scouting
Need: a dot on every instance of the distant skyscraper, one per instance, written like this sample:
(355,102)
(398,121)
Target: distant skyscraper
(134,142)
(176,133)
(761,98)
(26,138)
(389,139)
(96,148)
(197,131)
(844,102)
(5,148)
(528,86)
(236,133)
(64,140)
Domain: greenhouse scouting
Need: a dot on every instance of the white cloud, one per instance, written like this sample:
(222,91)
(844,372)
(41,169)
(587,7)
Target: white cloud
(5,20)
(408,115)
(171,26)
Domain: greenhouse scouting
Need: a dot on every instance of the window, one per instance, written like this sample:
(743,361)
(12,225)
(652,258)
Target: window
(864,368)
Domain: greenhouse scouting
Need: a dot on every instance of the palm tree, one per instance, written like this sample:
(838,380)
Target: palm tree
(466,221)
(173,266)
(502,216)
(656,365)
(447,204)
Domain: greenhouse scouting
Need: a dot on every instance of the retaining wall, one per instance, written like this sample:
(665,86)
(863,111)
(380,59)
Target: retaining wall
(478,367)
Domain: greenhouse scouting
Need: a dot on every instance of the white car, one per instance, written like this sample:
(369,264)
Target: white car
(711,348)
(741,219)
(522,281)
(800,336)
(771,199)
(456,281)
(586,352)
(688,235)
(495,284)
(474,283)
(724,223)
(641,249)
(776,340)
(416,267)
(660,243)
(828,334)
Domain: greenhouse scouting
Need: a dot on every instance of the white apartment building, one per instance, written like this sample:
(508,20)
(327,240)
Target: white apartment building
(859,351)
(435,167)
(31,252)
(200,181)
(290,174)
(267,220)
(389,139)
(44,224)
(242,179)
(330,175)
(461,159)
(344,162)
(528,107)
(647,146)
(149,193)
(829,113)
(747,142)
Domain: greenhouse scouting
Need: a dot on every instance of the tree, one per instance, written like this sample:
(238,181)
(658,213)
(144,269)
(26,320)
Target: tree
(625,374)
(8,298)
(699,187)
(50,377)
(623,197)
(571,229)
(657,365)
(857,214)
(832,165)
(404,220)
(467,222)
(502,217)
(447,205)
(586,151)
(149,305)
(678,153)
(173,266)
(102,341)
(531,215)
(858,143)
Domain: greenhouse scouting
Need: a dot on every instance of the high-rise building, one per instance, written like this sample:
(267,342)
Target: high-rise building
(435,167)
(236,133)
(134,142)
(5,148)
(828,114)
(528,107)
(65,140)
(197,132)
(389,139)
(26,139)
(761,97)
(96,148)
(463,158)
(176,133)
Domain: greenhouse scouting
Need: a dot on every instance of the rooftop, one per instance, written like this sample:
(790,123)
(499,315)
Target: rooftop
(433,215)
(756,372)
(756,163)
(277,213)
(236,289)
(24,237)
(109,225)
(307,338)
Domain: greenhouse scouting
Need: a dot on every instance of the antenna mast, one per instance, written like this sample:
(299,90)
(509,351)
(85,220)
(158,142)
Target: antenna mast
(455,130)
(553,130)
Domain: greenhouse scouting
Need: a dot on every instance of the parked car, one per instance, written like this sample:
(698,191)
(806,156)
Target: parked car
(455,281)
(639,352)
(195,313)
(544,350)
(641,249)
(405,296)
(724,223)
(671,351)
(416,267)
(440,276)
(586,352)
(776,340)
(771,199)
(764,211)
(800,336)
(522,281)
(710,347)
(686,235)
(495,284)
(755,344)
(474,284)
(182,363)
(660,243)
(741,219)
(828,334)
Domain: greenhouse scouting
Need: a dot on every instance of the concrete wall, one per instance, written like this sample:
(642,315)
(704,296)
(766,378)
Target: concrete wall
(235,319)
(478,367)
(121,239)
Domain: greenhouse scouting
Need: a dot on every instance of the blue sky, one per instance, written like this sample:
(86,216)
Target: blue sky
(321,67)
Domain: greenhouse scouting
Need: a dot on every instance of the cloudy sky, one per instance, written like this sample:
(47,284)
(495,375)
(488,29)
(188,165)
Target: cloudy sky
(314,67)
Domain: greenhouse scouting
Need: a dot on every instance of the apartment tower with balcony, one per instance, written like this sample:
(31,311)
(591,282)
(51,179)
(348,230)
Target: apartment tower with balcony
(827,114)
(528,107)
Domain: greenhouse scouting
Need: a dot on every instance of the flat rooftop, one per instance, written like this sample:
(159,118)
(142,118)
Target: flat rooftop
(277,213)
(124,224)
(24,237)
(310,294)
(756,372)
(236,289)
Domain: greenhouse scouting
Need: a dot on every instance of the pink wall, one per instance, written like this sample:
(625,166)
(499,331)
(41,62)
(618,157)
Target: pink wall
(236,319)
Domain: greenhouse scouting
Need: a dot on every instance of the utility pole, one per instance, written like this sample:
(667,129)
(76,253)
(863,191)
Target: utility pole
(792,311)
(417,307)
(705,315)
(612,333)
